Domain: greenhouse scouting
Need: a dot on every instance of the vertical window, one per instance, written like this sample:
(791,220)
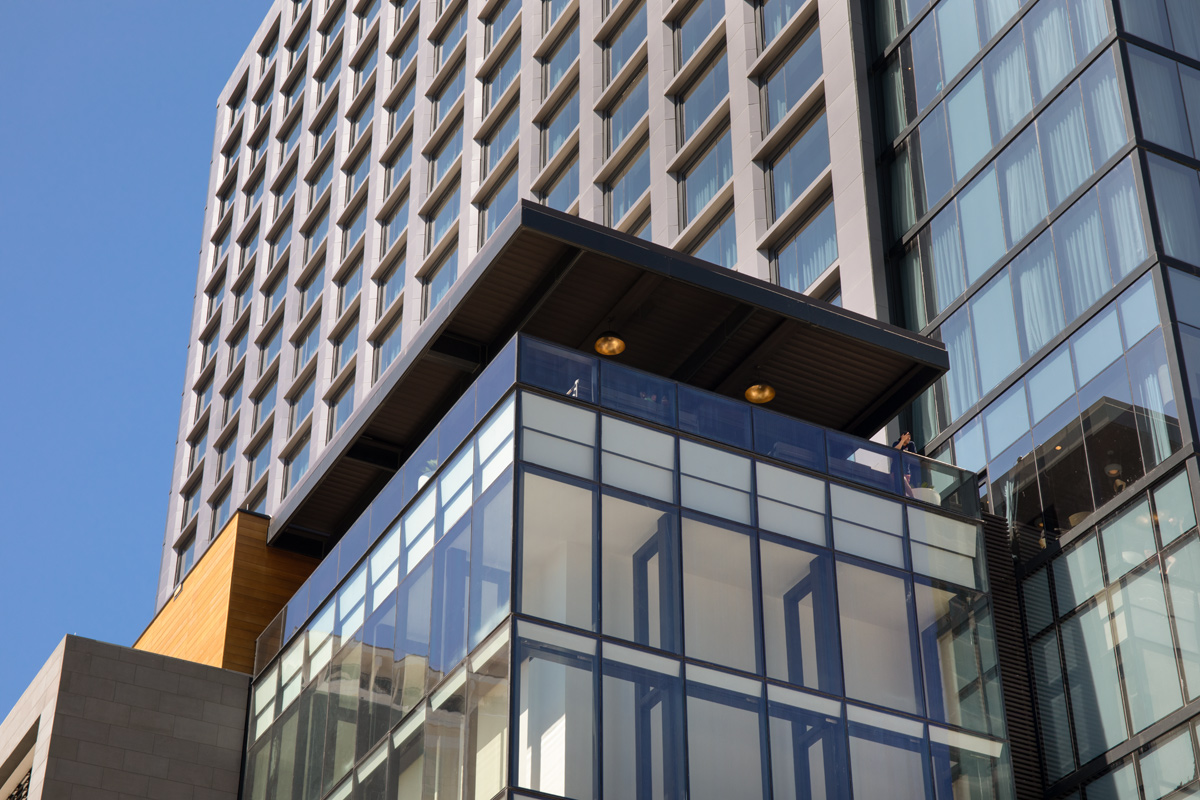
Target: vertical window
(222,507)
(706,176)
(288,141)
(315,236)
(203,397)
(631,106)
(402,56)
(349,287)
(394,224)
(501,77)
(702,99)
(354,230)
(185,556)
(237,102)
(266,53)
(498,23)
(695,26)
(628,186)
(323,132)
(501,139)
(448,95)
(556,66)
(560,127)
(285,192)
(362,118)
(387,347)
(241,298)
(366,67)
(451,37)
(279,245)
(720,245)
(340,408)
(444,157)
(796,168)
(301,406)
(292,94)
(792,79)
(298,47)
(237,348)
(774,14)
(310,290)
(345,347)
(262,110)
(224,202)
(565,188)
(809,252)
(233,399)
(366,17)
(225,455)
(196,450)
(270,348)
(264,405)
(440,279)
(331,30)
(497,206)
(391,286)
(273,294)
(248,246)
(624,44)
(254,193)
(307,344)
(397,166)
(296,465)
(191,504)
(327,80)
(399,112)
(443,219)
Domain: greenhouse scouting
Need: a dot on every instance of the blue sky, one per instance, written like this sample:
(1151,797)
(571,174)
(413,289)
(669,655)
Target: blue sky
(107,114)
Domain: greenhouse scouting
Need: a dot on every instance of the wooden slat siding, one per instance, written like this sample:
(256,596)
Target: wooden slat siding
(233,592)
(1014,659)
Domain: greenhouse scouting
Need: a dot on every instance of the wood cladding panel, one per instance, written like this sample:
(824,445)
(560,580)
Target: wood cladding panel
(232,593)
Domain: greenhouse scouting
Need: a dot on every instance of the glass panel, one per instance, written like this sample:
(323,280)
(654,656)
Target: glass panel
(966,111)
(1055,730)
(1171,763)
(969,766)
(491,558)
(556,551)
(718,595)
(793,78)
(791,504)
(1183,578)
(638,459)
(1096,707)
(945,548)
(725,740)
(643,726)
(1177,196)
(798,166)
(562,371)
(877,638)
(887,756)
(809,253)
(558,435)
(1147,651)
(445,739)
(799,617)
(714,481)
(1128,540)
(958,648)
(867,526)
(808,749)
(1173,508)
(996,335)
(487,718)
(639,572)
(637,393)
(556,745)
(1160,100)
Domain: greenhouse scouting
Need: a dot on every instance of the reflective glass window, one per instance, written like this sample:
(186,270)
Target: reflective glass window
(718,595)
(878,654)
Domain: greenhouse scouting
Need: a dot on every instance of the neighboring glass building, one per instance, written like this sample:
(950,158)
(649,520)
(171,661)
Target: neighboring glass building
(1038,164)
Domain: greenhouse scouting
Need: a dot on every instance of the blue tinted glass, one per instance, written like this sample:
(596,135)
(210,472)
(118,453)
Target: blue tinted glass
(1105,115)
(775,14)
(799,165)
(627,42)
(1008,93)
(491,558)
(503,138)
(1036,295)
(1082,260)
(503,201)
(1062,130)
(564,191)
(633,105)
(630,186)
(995,331)
(1096,345)
(962,387)
(503,76)
(937,171)
(414,606)
(1139,310)
(982,224)
(702,99)
(1177,197)
(560,370)
(1160,100)
(969,453)
(1006,419)
(697,25)
(714,417)
(1048,26)
(561,61)
(637,393)
(720,246)
(793,78)
(1147,19)
(970,135)
(1023,193)
(802,260)
(927,69)
(707,176)
(1089,24)
(443,278)
(789,440)
(947,256)
(1153,400)
(1122,215)
(959,34)
(881,468)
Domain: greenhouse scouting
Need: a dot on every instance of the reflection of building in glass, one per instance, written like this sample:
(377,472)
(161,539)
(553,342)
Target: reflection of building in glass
(662,556)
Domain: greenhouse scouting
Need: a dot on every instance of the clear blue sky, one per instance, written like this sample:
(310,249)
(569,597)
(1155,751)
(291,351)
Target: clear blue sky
(107,112)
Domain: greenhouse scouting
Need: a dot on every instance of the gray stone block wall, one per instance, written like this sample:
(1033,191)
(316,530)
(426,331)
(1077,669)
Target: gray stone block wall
(106,722)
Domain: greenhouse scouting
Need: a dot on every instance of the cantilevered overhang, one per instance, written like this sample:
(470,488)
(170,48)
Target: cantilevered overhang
(565,280)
